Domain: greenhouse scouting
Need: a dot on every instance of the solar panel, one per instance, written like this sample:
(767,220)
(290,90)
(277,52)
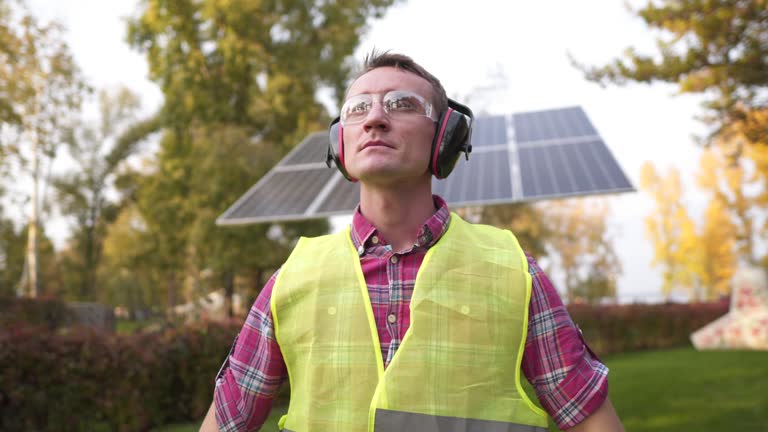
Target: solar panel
(520,157)
(467,185)
(563,123)
(489,131)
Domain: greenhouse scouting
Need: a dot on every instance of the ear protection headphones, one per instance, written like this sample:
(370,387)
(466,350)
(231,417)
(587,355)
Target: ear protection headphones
(453,136)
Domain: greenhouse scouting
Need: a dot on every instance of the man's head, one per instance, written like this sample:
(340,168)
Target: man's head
(375,60)
(397,124)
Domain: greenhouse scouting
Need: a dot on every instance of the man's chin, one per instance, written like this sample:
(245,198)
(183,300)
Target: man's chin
(389,176)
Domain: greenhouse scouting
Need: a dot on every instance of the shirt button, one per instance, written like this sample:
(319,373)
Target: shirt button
(392,318)
(393,260)
(360,250)
(375,240)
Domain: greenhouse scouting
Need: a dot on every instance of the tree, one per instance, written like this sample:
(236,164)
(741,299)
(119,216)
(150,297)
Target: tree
(726,177)
(250,63)
(40,92)
(13,249)
(581,246)
(128,271)
(525,220)
(714,47)
(219,153)
(670,229)
(717,251)
(81,192)
(11,257)
(573,234)
(10,47)
(240,81)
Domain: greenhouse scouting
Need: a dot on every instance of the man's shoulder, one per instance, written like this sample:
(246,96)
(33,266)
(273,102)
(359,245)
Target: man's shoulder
(325,237)
(488,234)
(476,226)
(322,243)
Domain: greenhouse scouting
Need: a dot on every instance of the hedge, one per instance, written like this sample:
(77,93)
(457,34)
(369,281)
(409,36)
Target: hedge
(46,312)
(610,329)
(80,379)
(85,380)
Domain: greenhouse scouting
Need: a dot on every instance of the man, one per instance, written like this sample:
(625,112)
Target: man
(412,320)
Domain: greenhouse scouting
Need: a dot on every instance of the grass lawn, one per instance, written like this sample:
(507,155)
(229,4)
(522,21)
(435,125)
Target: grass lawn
(687,390)
(671,391)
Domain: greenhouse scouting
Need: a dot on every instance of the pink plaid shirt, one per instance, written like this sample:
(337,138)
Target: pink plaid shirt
(570,382)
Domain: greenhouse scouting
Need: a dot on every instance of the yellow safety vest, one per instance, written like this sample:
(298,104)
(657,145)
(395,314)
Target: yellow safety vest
(458,366)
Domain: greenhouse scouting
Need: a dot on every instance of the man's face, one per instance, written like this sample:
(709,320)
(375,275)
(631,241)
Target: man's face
(384,149)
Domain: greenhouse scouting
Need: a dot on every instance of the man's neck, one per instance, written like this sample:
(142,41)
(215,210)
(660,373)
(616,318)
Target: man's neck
(397,213)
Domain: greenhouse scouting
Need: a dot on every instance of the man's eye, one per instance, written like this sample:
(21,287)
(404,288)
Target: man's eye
(402,104)
(360,108)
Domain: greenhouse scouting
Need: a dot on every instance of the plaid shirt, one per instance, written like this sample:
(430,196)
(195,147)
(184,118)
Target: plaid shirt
(570,382)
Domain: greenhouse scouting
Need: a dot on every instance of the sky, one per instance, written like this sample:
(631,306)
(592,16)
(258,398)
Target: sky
(499,57)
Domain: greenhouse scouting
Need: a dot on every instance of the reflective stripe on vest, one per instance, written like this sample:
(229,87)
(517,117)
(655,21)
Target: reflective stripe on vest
(399,421)
(458,366)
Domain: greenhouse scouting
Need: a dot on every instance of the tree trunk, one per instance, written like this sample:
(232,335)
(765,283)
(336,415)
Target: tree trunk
(33,284)
(89,285)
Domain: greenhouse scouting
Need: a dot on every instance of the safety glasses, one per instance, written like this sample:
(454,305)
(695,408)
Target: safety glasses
(396,103)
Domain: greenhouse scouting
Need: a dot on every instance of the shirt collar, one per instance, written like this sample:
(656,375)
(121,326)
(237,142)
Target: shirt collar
(434,227)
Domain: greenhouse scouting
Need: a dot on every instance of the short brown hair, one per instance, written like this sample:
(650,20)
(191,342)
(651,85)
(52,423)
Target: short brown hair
(375,60)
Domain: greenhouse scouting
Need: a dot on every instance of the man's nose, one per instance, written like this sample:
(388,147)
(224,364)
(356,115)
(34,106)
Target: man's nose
(376,118)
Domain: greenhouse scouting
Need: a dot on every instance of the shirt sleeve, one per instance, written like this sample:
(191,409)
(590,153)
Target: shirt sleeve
(253,372)
(570,382)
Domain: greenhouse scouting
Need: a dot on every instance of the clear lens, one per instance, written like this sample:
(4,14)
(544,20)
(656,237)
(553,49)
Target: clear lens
(356,109)
(395,103)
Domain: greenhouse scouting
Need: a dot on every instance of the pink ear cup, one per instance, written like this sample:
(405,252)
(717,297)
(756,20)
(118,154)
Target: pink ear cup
(439,142)
(341,156)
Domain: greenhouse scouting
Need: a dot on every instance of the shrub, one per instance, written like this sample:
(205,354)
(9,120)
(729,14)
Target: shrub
(46,312)
(622,328)
(83,379)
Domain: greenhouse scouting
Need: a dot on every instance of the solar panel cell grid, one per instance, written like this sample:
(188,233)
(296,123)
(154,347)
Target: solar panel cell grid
(611,174)
(563,170)
(583,174)
(554,124)
(487,131)
(484,177)
(344,196)
(284,193)
(536,166)
(312,149)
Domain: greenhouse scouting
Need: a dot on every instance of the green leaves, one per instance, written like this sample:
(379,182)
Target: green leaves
(40,93)
(240,79)
(715,47)
(81,193)
(718,48)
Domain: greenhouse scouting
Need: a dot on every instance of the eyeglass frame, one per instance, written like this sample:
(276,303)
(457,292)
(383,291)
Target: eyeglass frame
(429,108)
